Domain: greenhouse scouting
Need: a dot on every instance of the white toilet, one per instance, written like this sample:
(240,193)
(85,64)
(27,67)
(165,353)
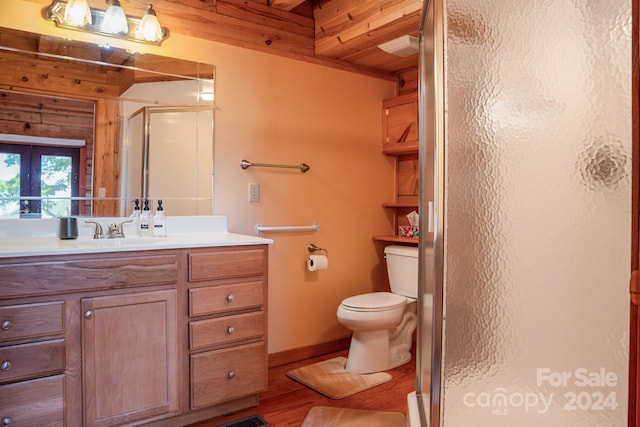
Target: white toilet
(383,322)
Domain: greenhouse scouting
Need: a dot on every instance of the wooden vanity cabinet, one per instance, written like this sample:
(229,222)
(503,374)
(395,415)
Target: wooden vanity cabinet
(132,338)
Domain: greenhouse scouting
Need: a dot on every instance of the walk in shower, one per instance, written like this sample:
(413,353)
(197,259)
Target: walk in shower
(527,108)
(170,155)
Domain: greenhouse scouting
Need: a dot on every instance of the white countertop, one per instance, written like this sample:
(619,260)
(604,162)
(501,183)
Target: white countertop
(34,237)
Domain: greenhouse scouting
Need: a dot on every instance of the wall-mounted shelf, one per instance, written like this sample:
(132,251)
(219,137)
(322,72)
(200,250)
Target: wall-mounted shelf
(400,205)
(400,139)
(396,239)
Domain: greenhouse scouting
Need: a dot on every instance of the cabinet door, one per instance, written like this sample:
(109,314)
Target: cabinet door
(400,124)
(129,357)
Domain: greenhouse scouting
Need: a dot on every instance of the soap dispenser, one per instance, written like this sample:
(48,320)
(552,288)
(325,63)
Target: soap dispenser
(159,221)
(145,220)
(135,215)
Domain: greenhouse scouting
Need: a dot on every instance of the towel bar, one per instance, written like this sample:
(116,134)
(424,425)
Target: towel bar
(314,227)
(244,164)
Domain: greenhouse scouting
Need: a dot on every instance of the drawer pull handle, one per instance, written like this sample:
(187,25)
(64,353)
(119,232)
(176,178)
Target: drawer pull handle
(231,374)
(230,298)
(6,325)
(230,330)
(6,365)
(88,314)
(6,421)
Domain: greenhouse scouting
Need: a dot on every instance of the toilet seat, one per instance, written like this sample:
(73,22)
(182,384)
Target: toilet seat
(374,301)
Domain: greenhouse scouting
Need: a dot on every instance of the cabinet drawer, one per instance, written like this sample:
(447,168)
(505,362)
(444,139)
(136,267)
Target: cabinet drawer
(31,320)
(216,299)
(34,403)
(31,360)
(63,274)
(204,333)
(226,264)
(221,375)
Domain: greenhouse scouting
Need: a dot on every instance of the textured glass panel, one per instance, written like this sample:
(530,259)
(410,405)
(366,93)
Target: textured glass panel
(537,231)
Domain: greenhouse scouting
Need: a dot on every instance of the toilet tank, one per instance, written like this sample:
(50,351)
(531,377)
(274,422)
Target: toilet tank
(402,268)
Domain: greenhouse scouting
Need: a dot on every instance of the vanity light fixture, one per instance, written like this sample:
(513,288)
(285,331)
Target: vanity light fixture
(113,22)
(78,13)
(150,28)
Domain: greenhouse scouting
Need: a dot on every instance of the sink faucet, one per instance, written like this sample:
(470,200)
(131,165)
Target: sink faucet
(114,231)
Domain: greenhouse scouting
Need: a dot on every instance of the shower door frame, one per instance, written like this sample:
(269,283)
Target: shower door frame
(634,339)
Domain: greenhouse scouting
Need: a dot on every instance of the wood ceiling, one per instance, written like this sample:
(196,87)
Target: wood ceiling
(338,33)
(351,30)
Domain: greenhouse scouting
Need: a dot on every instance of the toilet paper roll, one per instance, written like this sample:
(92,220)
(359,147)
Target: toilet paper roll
(317,262)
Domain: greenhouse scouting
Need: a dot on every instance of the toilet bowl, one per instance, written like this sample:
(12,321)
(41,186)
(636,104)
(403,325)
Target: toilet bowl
(383,322)
(375,319)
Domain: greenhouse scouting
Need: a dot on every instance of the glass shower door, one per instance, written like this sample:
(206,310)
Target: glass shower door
(533,199)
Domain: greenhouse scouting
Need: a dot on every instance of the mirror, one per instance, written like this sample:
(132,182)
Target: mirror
(142,124)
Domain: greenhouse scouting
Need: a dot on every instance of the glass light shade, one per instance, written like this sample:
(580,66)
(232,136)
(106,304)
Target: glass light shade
(77,13)
(150,28)
(115,21)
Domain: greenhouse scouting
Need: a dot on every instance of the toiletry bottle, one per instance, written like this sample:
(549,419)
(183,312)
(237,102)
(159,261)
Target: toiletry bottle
(145,220)
(135,215)
(159,221)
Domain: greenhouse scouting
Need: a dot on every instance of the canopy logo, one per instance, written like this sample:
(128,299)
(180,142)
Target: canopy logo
(578,390)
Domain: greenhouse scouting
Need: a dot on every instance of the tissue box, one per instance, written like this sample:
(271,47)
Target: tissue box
(411,231)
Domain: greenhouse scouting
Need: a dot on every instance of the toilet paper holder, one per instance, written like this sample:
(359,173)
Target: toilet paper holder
(313,248)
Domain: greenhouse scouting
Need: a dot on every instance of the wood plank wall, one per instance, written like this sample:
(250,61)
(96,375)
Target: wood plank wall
(80,87)
(41,115)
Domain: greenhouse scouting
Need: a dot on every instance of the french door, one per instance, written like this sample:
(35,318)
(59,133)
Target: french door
(39,181)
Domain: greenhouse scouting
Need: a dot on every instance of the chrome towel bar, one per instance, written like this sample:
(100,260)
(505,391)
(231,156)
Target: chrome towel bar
(314,227)
(244,164)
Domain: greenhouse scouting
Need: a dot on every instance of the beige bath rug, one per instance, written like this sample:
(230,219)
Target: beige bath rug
(322,416)
(329,378)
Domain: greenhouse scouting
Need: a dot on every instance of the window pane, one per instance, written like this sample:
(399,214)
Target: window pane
(9,185)
(55,181)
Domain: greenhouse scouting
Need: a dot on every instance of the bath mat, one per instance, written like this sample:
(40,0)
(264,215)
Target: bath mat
(329,378)
(322,416)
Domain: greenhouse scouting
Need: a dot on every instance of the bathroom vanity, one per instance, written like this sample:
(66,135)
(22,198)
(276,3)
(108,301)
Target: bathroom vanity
(131,331)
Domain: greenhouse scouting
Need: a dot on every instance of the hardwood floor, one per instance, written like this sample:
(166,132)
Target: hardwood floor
(287,402)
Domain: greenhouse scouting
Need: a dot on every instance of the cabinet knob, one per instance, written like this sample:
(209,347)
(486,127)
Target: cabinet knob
(6,325)
(6,365)
(230,298)
(231,374)
(6,421)
(88,314)
(230,330)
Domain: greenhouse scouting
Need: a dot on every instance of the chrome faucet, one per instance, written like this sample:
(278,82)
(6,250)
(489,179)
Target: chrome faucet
(114,231)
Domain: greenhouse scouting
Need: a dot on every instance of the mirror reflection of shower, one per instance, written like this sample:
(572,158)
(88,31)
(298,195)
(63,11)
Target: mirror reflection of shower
(169,155)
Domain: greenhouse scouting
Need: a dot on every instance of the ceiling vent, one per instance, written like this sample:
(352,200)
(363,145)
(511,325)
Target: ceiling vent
(402,46)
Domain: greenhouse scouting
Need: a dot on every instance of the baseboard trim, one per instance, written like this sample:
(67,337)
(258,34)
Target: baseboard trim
(302,353)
